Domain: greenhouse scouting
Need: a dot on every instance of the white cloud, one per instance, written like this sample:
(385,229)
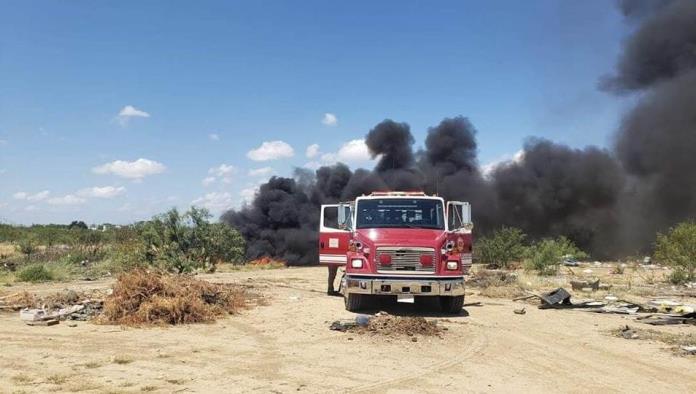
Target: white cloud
(312,165)
(223,172)
(137,169)
(102,192)
(207,181)
(354,151)
(214,136)
(31,208)
(264,171)
(312,151)
(3,170)
(271,150)
(329,119)
(3,142)
(68,199)
(248,194)
(40,196)
(488,168)
(128,112)
(215,202)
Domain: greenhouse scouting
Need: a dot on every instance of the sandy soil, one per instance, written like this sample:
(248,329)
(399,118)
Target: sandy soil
(287,347)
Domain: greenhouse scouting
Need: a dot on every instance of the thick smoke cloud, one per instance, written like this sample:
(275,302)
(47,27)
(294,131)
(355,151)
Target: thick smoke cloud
(656,142)
(610,202)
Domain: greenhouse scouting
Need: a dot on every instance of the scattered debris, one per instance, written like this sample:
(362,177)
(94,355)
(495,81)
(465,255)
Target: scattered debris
(555,298)
(691,350)
(665,320)
(49,322)
(622,309)
(583,284)
(343,325)
(628,333)
(520,311)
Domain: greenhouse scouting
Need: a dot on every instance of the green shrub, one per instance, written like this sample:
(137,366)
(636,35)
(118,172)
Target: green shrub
(34,273)
(27,246)
(182,243)
(677,248)
(501,248)
(545,256)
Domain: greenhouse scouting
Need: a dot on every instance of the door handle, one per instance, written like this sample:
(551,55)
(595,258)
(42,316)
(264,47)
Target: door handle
(321,245)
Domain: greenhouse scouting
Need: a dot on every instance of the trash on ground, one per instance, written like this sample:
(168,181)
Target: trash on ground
(628,333)
(343,325)
(520,311)
(689,349)
(583,284)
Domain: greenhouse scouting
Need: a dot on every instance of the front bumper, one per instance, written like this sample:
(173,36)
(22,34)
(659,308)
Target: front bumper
(396,286)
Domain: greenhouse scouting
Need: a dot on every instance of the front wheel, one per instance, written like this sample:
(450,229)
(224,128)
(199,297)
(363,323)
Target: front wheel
(452,305)
(354,302)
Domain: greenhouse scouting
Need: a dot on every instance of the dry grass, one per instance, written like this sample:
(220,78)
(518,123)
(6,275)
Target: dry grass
(7,249)
(122,360)
(153,298)
(675,340)
(625,280)
(56,379)
(92,364)
(22,379)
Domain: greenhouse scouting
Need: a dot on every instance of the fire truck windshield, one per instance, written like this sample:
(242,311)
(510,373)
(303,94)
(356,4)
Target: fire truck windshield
(400,213)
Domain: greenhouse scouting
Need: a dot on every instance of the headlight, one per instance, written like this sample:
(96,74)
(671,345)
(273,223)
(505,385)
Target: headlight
(451,265)
(356,263)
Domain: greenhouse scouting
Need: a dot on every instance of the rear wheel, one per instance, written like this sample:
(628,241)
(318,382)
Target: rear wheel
(452,305)
(355,302)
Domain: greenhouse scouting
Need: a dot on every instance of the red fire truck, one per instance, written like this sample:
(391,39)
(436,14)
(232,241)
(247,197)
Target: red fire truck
(403,245)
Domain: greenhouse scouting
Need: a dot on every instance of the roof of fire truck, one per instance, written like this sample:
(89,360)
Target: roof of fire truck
(398,194)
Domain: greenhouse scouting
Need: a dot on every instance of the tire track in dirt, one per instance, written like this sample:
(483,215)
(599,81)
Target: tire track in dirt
(474,344)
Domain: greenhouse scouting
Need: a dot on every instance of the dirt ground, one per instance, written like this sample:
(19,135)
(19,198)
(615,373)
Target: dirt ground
(287,347)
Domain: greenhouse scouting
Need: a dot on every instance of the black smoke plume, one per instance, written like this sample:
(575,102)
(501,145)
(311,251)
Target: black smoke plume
(610,202)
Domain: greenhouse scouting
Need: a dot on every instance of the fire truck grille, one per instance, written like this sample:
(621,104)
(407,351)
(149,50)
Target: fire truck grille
(404,260)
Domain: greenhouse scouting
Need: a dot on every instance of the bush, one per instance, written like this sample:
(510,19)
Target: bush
(182,243)
(35,273)
(677,248)
(27,246)
(501,248)
(545,256)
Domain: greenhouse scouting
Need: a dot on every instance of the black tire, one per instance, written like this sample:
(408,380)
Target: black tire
(426,303)
(354,302)
(452,305)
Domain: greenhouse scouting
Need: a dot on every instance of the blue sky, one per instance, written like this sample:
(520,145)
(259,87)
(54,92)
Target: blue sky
(114,111)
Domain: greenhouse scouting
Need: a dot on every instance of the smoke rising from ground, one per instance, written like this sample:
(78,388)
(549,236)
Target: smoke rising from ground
(610,202)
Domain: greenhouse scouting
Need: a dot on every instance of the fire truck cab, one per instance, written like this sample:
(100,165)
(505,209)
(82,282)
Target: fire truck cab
(403,245)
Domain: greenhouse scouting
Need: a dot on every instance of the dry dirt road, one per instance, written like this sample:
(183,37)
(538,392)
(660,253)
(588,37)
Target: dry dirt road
(287,347)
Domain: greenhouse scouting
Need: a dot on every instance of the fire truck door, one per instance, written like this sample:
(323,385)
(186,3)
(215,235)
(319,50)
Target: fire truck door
(334,234)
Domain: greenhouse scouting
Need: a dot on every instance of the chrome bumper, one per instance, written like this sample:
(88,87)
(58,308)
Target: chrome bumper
(393,286)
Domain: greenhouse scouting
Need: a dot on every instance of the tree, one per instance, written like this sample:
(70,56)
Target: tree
(545,256)
(501,248)
(183,243)
(677,248)
(27,246)
(80,225)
